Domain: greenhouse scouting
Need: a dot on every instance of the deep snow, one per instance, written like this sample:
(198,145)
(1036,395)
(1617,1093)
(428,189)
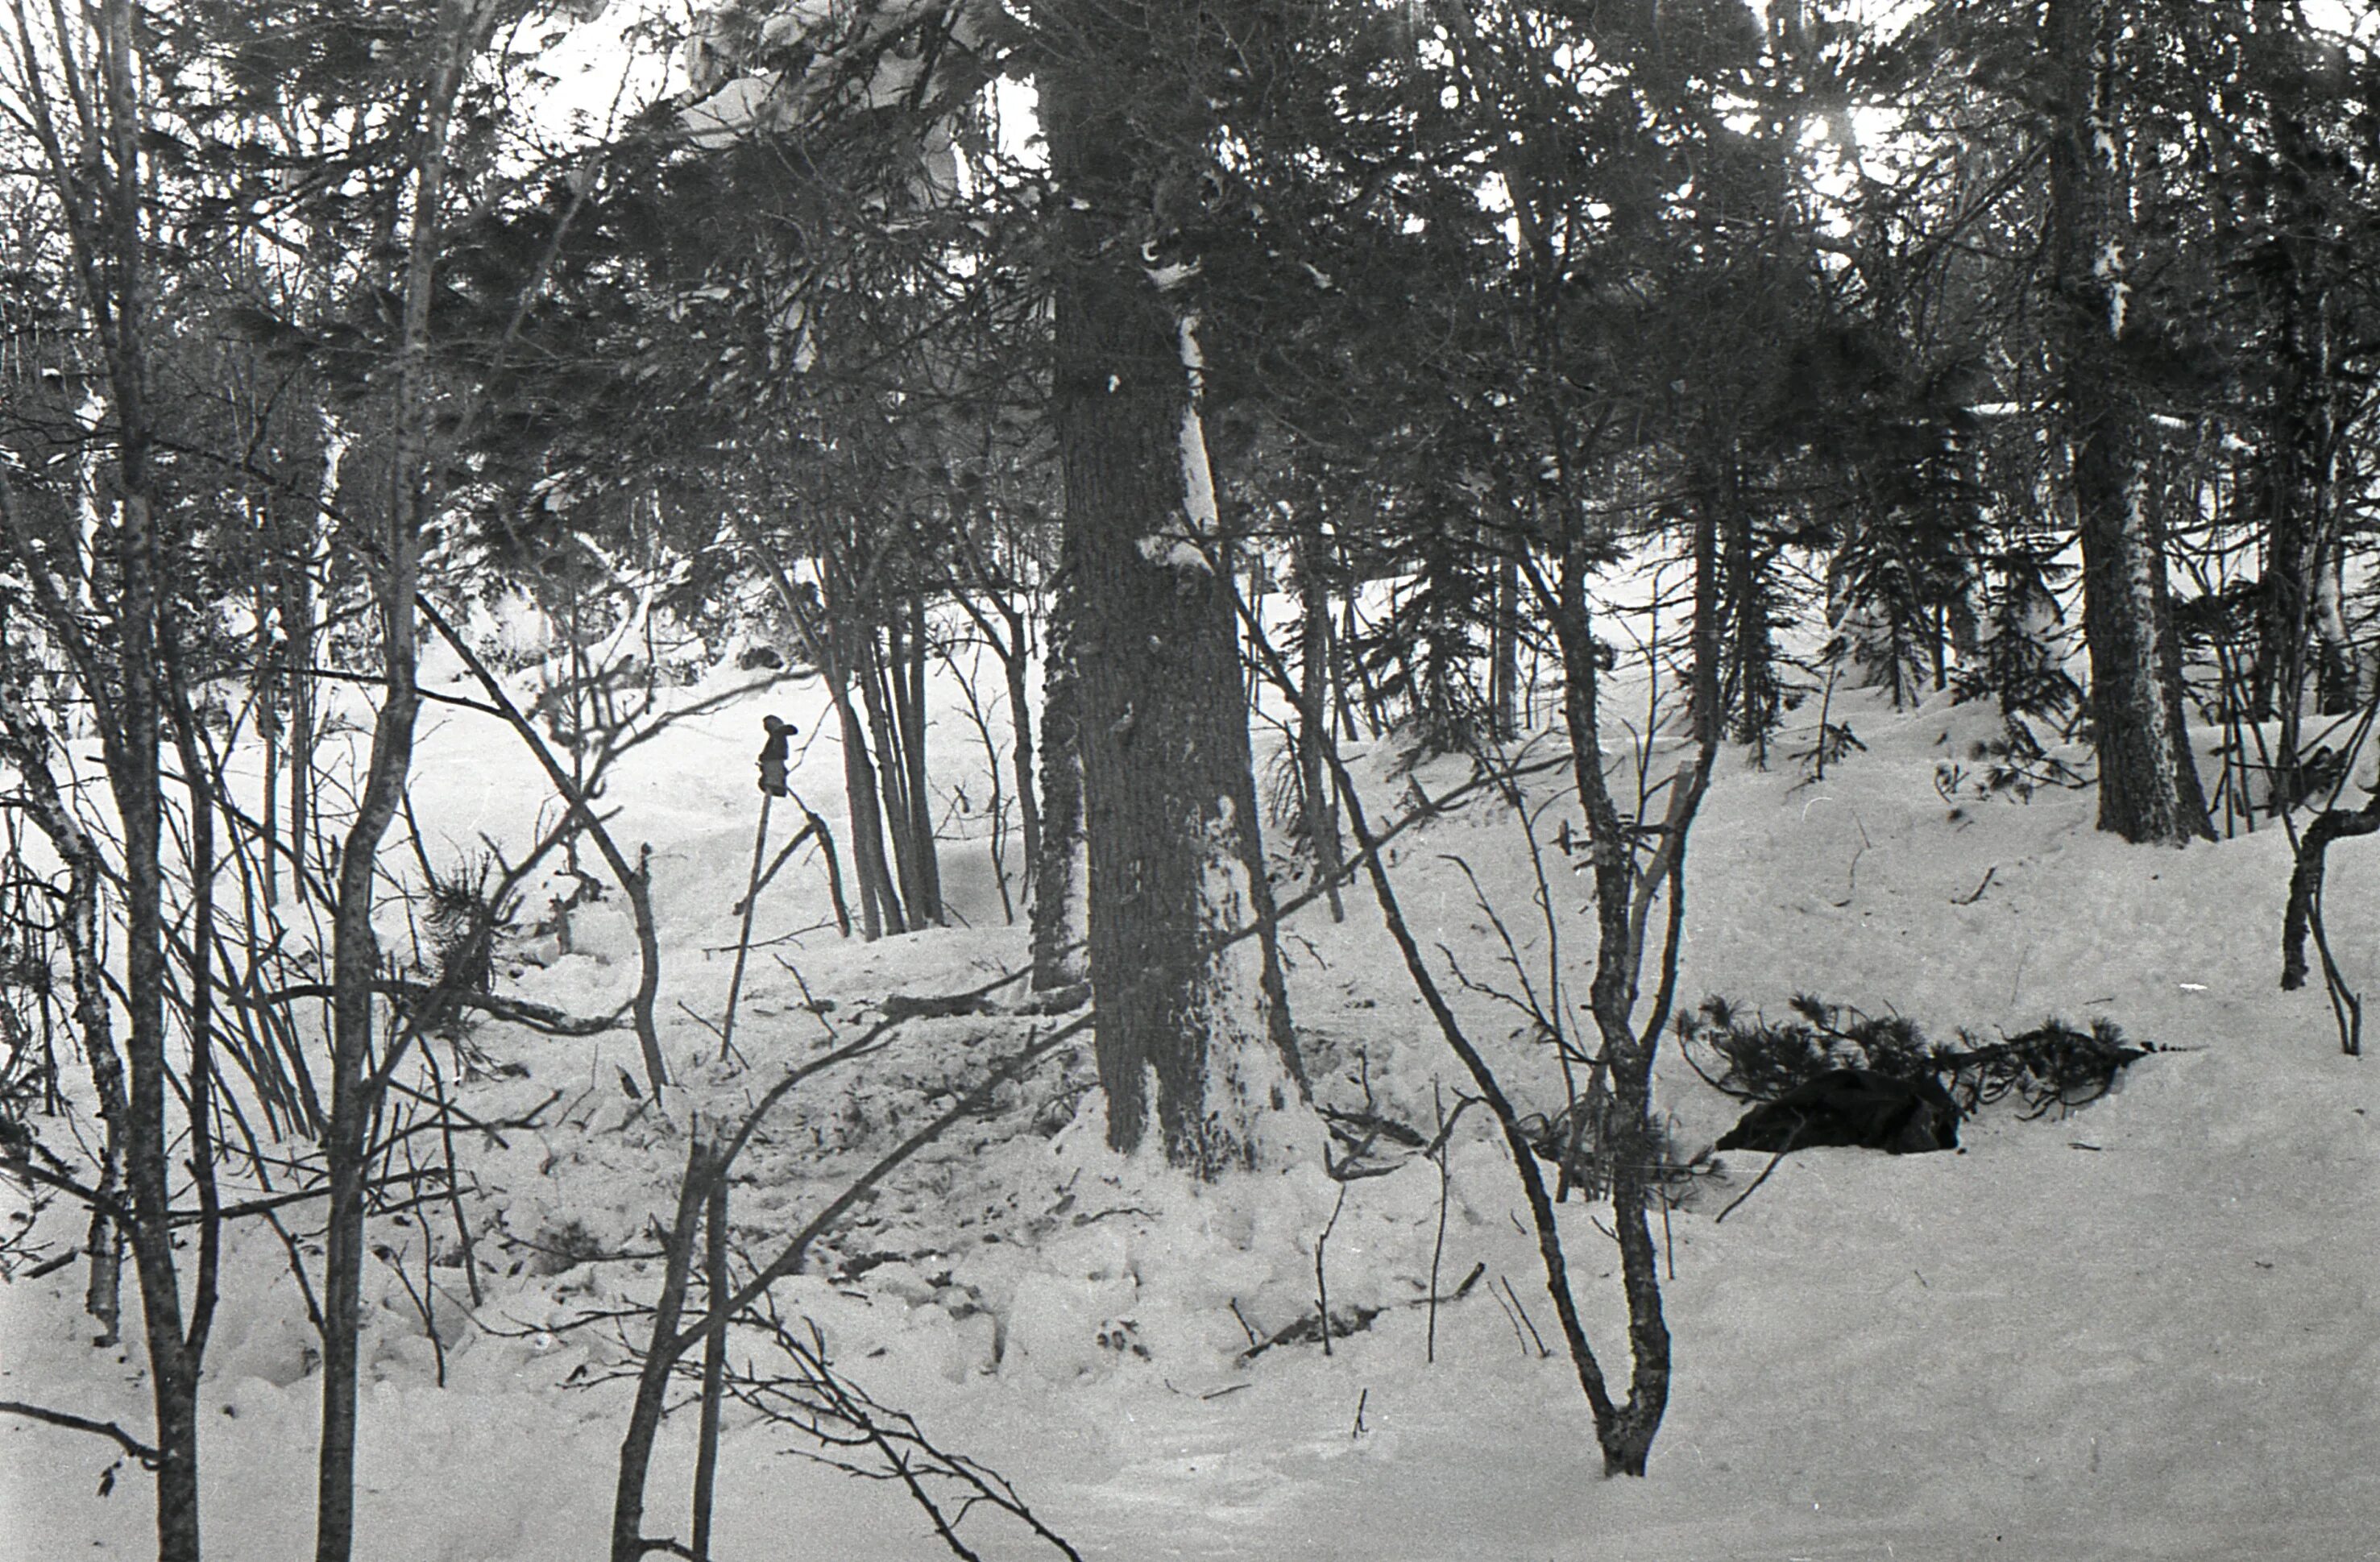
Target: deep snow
(2150,1328)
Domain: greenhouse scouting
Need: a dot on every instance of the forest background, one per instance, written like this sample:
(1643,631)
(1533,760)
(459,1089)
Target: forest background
(1316,368)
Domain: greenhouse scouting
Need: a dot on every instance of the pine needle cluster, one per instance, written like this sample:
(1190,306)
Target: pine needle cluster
(465,920)
(2055,1064)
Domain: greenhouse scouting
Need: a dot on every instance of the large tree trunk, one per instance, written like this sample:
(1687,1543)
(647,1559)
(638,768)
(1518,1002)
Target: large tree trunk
(2149,788)
(1192,1028)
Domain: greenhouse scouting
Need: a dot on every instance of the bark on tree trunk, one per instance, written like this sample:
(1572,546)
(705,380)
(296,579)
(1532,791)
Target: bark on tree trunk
(1504,650)
(2338,667)
(94,165)
(134,777)
(355,951)
(1062,874)
(1313,718)
(28,745)
(879,691)
(1709,628)
(1751,663)
(2294,471)
(2149,788)
(1192,1029)
(1625,1430)
(905,665)
(703,1167)
(1020,721)
(880,905)
(272,689)
(148,1168)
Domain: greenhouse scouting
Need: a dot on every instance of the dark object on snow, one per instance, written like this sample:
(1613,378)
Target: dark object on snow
(772,756)
(1859,1106)
(933,1006)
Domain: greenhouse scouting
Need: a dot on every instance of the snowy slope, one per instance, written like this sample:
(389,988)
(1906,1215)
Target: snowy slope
(2150,1329)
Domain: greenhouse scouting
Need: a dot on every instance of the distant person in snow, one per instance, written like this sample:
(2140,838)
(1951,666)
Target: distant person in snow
(772,756)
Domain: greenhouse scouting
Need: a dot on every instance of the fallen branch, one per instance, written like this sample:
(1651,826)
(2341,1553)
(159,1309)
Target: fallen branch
(541,1018)
(147,1456)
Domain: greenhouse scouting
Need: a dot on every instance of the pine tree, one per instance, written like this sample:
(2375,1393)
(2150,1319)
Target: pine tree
(2149,788)
(1192,1021)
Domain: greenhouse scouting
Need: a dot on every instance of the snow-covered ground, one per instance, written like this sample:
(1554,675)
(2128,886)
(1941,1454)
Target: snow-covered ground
(2150,1328)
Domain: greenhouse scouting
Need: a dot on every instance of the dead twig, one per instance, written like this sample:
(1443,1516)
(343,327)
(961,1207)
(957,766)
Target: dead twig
(107,1429)
(1755,1181)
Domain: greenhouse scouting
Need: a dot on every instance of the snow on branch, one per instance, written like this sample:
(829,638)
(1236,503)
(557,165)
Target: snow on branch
(756,66)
